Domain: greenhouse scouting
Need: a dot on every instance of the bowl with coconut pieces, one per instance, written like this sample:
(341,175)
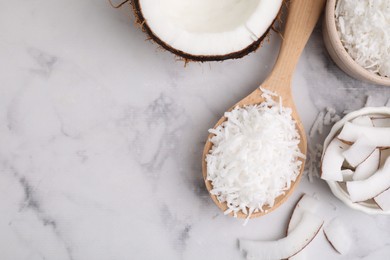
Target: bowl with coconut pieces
(357,37)
(356,160)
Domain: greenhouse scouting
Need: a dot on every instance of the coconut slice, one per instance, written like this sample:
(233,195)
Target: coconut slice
(305,204)
(347,174)
(362,120)
(367,168)
(384,154)
(333,160)
(378,136)
(359,151)
(369,188)
(338,236)
(205,30)
(383,200)
(297,240)
(381,121)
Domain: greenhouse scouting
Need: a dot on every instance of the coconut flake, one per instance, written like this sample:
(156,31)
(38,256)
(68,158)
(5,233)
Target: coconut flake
(338,236)
(347,174)
(381,122)
(383,200)
(359,151)
(305,204)
(378,136)
(286,247)
(333,160)
(255,156)
(367,189)
(364,30)
(367,168)
(362,120)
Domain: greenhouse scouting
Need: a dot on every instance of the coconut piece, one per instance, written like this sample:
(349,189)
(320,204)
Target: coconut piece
(347,174)
(367,168)
(383,200)
(359,151)
(384,154)
(337,236)
(205,30)
(332,161)
(381,122)
(305,204)
(362,120)
(369,188)
(297,240)
(378,136)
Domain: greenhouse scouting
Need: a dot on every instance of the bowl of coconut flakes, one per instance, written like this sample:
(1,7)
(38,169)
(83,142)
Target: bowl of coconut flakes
(357,37)
(356,160)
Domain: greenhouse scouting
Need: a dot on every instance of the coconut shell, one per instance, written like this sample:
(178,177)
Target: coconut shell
(187,57)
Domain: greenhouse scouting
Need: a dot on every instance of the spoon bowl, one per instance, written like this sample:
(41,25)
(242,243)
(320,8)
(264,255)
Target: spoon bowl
(301,20)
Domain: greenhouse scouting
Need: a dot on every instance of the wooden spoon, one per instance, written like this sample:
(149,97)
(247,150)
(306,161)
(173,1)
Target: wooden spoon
(301,20)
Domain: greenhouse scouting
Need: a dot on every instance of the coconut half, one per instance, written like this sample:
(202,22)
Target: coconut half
(205,30)
(297,240)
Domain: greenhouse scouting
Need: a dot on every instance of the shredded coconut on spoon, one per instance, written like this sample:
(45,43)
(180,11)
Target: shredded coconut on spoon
(254,157)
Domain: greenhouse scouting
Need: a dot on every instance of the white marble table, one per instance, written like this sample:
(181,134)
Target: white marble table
(101,136)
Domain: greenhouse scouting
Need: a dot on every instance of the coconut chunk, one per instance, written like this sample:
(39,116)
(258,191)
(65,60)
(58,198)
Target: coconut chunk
(338,236)
(362,120)
(383,200)
(332,161)
(359,151)
(384,154)
(381,121)
(368,167)
(297,240)
(305,204)
(347,174)
(378,136)
(369,188)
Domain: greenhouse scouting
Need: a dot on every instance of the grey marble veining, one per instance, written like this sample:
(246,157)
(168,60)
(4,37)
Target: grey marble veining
(101,135)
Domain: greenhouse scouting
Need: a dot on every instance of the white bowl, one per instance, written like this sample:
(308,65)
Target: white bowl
(337,189)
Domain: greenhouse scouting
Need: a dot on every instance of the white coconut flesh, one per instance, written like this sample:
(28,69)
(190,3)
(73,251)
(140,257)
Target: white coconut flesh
(381,122)
(362,120)
(359,151)
(209,28)
(333,160)
(338,236)
(297,240)
(369,188)
(383,200)
(347,174)
(367,168)
(305,204)
(384,154)
(378,136)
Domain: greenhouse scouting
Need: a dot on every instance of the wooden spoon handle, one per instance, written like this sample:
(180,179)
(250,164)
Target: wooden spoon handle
(301,19)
